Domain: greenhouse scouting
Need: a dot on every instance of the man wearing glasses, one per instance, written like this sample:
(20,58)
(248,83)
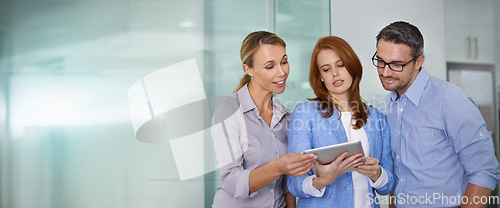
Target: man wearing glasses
(443,154)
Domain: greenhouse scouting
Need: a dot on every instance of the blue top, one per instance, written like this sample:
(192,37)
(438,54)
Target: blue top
(440,144)
(309,129)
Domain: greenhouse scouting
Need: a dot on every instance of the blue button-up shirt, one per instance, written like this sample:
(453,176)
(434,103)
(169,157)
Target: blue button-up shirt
(439,144)
(309,129)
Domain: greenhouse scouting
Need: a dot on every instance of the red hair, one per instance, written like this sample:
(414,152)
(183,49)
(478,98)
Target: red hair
(353,66)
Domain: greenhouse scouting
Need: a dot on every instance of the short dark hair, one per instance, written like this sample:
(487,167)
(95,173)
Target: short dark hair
(403,33)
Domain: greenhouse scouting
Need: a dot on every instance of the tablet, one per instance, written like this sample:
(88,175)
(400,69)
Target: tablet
(328,154)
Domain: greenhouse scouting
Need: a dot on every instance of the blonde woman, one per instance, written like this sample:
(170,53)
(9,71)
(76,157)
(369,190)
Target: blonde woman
(250,131)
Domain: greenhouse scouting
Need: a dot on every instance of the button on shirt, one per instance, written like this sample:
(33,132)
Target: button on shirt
(361,184)
(439,143)
(309,129)
(243,141)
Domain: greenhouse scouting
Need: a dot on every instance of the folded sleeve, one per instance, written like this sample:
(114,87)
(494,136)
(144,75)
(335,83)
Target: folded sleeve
(308,188)
(466,129)
(381,181)
(229,146)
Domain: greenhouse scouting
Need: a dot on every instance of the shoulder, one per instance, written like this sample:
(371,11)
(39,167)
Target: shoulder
(452,103)
(226,109)
(448,92)
(375,114)
(442,87)
(306,107)
(374,111)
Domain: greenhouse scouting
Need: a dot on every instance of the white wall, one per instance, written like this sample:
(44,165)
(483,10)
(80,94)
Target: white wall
(359,25)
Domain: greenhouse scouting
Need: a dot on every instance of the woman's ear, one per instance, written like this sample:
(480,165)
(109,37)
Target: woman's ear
(248,70)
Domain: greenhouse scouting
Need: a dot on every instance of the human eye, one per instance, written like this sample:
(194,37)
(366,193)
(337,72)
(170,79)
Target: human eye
(269,67)
(397,65)
(380,62)
(284,60)
(326,69)
(339,64)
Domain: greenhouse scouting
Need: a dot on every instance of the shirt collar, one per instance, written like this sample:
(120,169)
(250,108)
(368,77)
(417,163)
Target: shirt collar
(280,108)
(247,103)
(393,96)
(245,99)
(416,89)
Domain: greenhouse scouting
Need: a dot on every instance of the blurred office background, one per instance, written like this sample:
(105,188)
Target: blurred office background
(66,138)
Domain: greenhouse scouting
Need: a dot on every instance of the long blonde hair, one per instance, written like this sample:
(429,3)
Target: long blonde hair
(250,45)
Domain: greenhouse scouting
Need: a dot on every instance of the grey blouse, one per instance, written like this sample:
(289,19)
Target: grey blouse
(243,141)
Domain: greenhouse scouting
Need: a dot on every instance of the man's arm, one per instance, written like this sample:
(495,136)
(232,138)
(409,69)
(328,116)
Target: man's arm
(474,194)
(467,132)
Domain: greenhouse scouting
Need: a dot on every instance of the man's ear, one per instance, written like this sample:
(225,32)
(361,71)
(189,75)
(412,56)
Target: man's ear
(248,70)
(420,61)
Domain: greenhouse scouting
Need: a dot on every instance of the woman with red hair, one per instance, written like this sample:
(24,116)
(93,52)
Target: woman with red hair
(336,115)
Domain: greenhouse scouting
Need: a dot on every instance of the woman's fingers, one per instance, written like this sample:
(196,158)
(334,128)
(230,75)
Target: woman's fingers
(300,160)
(339,159)
(373,174)
(301,171)
(299,163)
(370,168)
(351,160)
(364,168)
(303,167)
(353,164)
(371,161)
(370,164)
(365,172)
(301,157)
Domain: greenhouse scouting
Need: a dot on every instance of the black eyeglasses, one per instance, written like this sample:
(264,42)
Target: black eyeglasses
(393,66)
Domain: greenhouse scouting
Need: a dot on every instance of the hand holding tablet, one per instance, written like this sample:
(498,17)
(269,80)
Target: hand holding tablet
(327,174)
(328,154)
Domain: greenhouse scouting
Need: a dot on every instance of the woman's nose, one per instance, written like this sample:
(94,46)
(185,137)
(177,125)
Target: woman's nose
(335,72)
(281,71)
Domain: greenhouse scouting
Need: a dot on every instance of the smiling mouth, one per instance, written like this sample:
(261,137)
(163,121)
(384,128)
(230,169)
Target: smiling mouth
(280,82)
(387,79)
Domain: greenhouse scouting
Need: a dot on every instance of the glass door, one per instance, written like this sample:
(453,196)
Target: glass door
(227,22)
(80,81)
(301,24)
